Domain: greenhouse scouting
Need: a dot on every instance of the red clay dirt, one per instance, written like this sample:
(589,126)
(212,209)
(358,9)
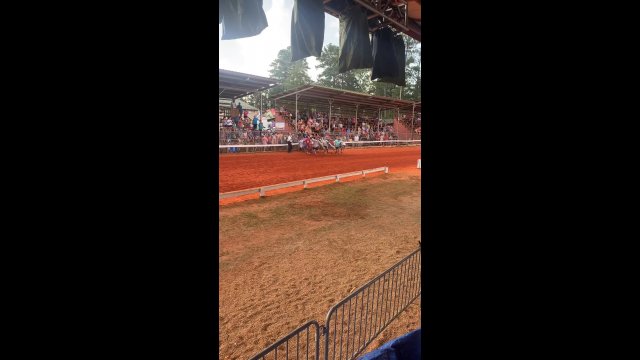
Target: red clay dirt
(245,171)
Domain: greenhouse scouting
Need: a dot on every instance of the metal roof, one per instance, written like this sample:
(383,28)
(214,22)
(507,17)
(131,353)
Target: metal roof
(319,96)
(233,85)
(381,13)
(410,108)
(226,103)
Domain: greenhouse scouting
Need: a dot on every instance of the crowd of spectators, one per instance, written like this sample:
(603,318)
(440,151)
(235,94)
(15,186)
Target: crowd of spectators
(409,122)
(248,136)
(253,131)
(347,128)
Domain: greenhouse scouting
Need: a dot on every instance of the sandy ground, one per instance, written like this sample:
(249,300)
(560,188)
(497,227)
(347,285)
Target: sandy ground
(286,259)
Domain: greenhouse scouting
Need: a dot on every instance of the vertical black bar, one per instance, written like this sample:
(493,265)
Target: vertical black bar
(366,317)
(389,296)
(355,322)
(276,355)
(378,314)
(298,345)
(286,356)
(395,291)
(413,275)
(360,323)
(374,310)
(346,352)
(420,282)
(335,336)
(308,344)
(408,283)
(382,302)
(387,284)
(401,284)
(341,331)
(417,274)
(418,265)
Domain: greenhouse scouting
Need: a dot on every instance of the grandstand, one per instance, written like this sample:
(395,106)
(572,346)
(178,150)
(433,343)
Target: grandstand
(336,112)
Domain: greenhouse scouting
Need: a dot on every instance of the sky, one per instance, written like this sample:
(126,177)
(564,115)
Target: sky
(253,55)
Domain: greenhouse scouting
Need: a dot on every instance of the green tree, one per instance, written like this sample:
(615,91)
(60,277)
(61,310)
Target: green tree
(331,77)
(290,74)
(413,68)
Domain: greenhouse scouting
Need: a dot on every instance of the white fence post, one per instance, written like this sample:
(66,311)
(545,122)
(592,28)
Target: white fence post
(337,178)
(304,184)
(262,192)
(386,170)
(419,165)
(363,173)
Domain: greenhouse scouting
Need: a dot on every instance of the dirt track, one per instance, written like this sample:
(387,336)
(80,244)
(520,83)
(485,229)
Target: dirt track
(244,171)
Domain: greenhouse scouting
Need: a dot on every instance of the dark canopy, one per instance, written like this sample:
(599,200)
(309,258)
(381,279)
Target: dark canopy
(395,13)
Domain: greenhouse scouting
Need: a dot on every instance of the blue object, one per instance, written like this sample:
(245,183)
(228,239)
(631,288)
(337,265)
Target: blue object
(406,347)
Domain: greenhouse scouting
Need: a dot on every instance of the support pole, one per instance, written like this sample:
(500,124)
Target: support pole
(261,111)
(330,102)
(413,119)
(398,125)
(356,129)
(295,123)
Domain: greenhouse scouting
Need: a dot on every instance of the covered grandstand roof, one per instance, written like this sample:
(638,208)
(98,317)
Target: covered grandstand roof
(418,107)
(402,15)
(245,106)
(320,95)
(233,85)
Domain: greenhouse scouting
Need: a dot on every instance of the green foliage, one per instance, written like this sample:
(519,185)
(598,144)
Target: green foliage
(290,74)
(360,80)
(295,74)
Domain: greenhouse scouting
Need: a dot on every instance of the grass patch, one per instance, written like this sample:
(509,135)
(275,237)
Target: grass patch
(340,203)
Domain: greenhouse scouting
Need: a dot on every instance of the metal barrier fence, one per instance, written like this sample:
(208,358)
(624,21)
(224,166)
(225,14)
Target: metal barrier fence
(371,308)
(282,346)
(355,321)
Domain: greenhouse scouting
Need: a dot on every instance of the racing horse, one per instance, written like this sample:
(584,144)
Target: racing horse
(325,144)
(316,145)
(301,145)
(339,146)
(305,145)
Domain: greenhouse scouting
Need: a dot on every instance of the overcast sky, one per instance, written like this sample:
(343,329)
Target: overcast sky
(253,55)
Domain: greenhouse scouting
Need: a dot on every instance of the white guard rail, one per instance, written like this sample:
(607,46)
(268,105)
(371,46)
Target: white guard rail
(389,142)
(256,145)
(385,141)
(263,189)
